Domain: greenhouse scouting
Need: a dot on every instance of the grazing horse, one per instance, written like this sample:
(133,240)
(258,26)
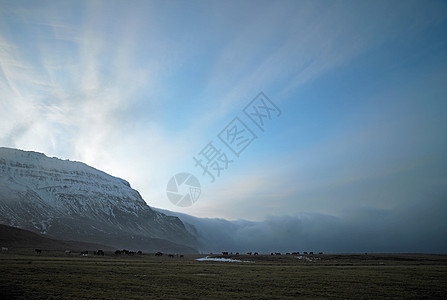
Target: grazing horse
(224,253)
(84,253)
(171,255)
(288,253)
(256,253)
(38,251)
(139,252)
(311,253)
(278,253)
(181,255)
(159,253)
(295,253)
(248,253)
(118,252)
(320,253)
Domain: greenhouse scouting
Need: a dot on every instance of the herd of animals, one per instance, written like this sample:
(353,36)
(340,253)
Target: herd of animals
(132,253)
(276,253)
(117,252)
(99,252)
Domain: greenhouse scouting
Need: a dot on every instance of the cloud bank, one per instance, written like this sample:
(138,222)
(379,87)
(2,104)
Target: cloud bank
(416,229)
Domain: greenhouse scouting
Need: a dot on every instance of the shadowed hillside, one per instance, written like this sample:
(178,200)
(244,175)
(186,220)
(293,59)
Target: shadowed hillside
(12,237)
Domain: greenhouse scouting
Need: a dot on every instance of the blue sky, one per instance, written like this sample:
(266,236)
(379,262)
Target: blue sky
(138,88)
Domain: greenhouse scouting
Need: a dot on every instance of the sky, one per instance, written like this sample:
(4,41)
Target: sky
(138,89)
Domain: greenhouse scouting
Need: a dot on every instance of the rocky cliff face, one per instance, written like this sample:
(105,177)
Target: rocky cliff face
(72,201)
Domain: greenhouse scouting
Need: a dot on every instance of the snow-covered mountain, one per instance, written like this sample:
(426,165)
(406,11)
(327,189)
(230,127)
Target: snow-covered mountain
(73,201)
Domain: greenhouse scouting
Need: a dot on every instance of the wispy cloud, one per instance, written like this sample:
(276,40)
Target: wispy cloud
(134,89)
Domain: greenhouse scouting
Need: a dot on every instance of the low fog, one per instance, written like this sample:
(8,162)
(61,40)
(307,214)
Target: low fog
(413,228)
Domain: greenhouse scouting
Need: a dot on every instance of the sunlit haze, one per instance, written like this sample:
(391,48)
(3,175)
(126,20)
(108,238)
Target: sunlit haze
(138,88)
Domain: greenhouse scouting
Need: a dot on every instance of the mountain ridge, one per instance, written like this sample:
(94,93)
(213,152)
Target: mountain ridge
(69,199)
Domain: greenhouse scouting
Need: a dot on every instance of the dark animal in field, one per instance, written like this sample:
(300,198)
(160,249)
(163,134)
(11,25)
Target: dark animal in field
(305,253)
(84,253)
(311,253)
(256,253)
(4,249)
(224,253)
(237,253)
(99,252)
(278,253)
(271,253)
(171,255)
(139,252)
(320,253)
(288,253)
(295,253)
(38,251)
(124,251)
(248,253)
(181,256)
(159,253)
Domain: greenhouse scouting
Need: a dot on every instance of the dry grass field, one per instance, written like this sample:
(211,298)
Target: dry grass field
(56,275)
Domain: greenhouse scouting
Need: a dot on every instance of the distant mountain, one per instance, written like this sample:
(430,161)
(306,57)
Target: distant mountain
(72,201)
(16,238)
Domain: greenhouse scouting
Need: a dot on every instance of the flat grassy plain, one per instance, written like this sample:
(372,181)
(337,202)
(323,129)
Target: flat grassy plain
(56,275)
